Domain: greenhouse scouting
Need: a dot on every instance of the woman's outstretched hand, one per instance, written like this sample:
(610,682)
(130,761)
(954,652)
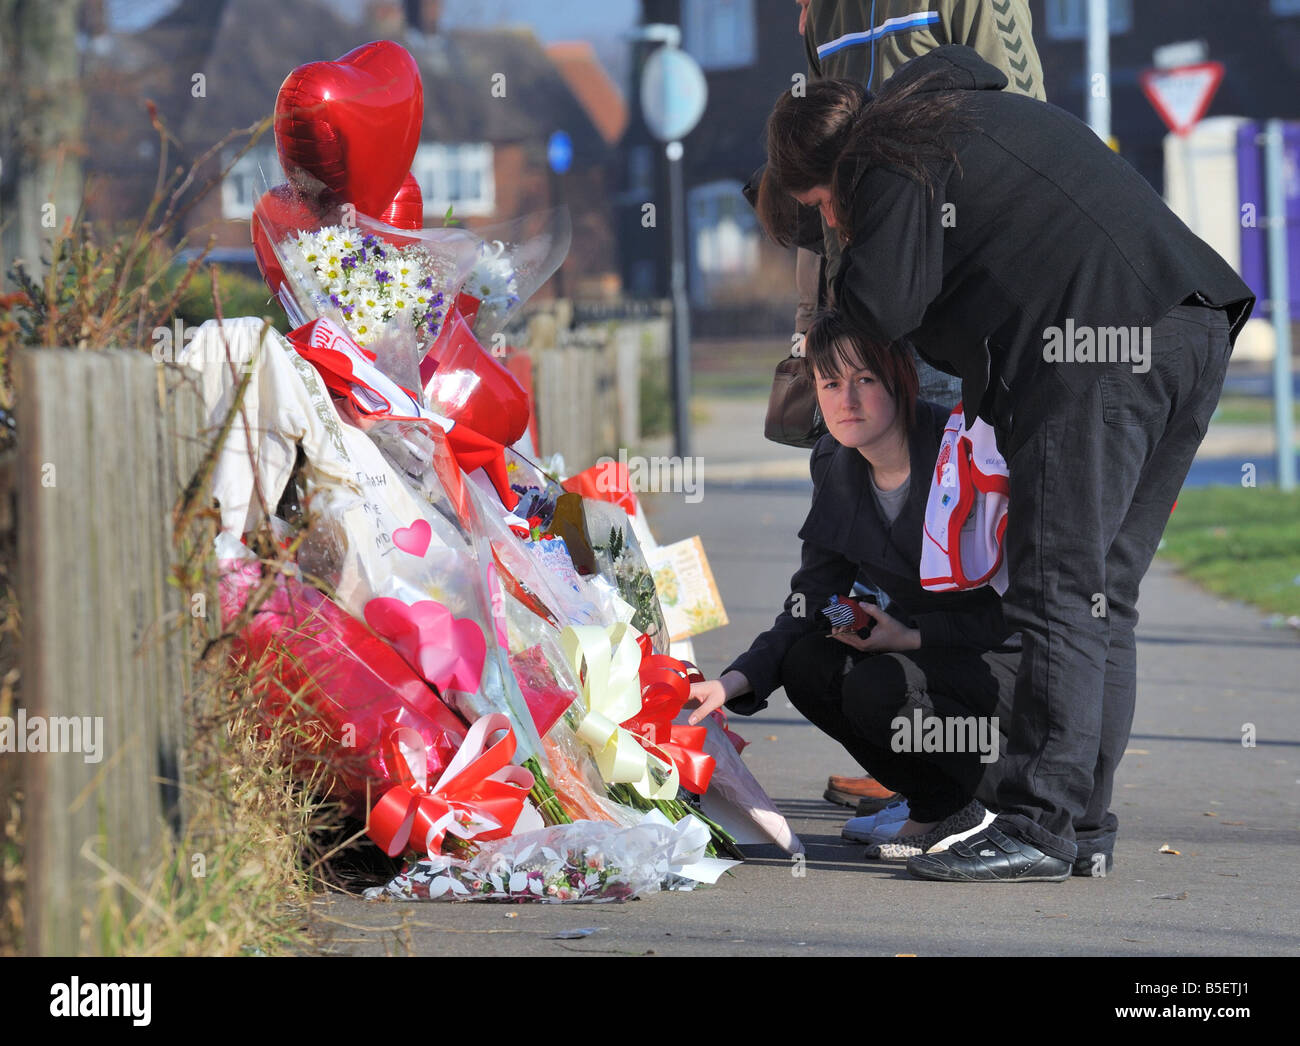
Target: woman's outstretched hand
(712,694)
(887,635)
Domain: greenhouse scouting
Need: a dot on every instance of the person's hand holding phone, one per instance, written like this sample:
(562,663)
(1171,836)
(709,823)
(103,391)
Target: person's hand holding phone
(887,635)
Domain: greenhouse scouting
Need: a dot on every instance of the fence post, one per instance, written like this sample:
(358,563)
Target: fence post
(106,442)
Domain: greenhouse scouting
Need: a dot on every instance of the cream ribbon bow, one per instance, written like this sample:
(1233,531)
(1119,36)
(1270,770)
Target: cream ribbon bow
(607,660)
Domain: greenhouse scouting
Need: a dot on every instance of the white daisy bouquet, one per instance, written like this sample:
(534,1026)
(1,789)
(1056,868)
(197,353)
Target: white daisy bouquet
(372,286)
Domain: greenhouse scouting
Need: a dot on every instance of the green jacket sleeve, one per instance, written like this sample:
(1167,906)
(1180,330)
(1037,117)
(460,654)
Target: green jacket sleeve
(1002,32)
(810,49)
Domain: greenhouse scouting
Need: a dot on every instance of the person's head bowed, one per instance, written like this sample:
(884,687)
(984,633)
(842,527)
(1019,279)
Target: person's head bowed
(822,137)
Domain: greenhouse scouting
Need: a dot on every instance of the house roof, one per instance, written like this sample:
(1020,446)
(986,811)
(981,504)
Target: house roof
(246,48)
(460,69)
(591,86)
(245,69)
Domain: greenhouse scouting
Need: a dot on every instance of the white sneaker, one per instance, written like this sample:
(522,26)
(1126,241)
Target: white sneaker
(868,829)
(943,844)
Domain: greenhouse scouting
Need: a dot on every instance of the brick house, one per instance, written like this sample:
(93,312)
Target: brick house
(215,65)
(739,283)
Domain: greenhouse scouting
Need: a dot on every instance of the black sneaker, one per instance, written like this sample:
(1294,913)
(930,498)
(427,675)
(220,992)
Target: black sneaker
(990,856)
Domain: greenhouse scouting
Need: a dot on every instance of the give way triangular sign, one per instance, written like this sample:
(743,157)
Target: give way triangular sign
(1182,95)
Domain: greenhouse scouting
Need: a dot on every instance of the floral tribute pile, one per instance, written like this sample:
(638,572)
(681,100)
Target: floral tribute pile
(471,649)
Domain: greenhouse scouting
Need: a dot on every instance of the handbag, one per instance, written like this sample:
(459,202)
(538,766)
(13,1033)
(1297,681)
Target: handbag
(793,417)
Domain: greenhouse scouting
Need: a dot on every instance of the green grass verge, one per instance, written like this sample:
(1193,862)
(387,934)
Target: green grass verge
(1250,410)
(1240,542)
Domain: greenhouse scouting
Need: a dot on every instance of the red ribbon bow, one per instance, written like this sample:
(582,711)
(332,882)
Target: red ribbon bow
(479,796)
(665,688)
(322,344)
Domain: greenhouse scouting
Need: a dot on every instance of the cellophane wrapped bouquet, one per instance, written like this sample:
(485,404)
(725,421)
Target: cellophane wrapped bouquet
(481,653)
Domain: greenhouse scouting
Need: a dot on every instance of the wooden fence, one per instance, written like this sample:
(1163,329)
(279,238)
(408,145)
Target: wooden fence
(588,380)
(107,441)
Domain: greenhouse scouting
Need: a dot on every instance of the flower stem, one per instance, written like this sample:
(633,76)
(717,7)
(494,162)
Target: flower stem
(548,803)
(675,810)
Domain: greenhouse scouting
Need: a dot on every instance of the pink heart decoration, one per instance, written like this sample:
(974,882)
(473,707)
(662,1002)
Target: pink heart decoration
(447,651)
(415,538)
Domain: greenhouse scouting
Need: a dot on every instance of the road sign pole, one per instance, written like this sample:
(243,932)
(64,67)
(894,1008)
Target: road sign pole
(1279,292)
(673,96)
(681,306)
(1099,66)
(1189,175)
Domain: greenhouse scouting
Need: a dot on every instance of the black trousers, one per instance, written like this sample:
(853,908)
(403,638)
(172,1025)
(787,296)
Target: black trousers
(859,709)
(1091,492)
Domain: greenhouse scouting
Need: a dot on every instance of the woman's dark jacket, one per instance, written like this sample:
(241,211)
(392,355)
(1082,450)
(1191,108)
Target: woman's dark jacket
(1037,223)
(844,536)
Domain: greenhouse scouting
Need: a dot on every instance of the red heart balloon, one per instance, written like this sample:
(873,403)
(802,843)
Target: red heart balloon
(347,131)
(407,209)
(281,209)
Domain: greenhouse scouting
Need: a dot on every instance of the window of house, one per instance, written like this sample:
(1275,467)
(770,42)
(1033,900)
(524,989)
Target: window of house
(1068,19)
(724,238)
(1284,7)
(458,176)
(720,34)
(253,173)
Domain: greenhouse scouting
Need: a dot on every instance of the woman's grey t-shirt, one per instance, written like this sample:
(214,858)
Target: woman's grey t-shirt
(890,502)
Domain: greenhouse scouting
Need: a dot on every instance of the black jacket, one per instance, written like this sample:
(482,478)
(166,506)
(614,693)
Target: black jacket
(1037,223)
(844,536)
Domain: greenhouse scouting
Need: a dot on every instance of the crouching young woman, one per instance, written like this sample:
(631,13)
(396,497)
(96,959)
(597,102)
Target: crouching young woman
(914,700)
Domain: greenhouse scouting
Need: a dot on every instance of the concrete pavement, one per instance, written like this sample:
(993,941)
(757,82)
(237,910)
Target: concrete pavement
(1210,674)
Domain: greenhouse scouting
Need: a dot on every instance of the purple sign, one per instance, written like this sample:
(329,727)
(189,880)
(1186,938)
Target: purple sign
(1253,209)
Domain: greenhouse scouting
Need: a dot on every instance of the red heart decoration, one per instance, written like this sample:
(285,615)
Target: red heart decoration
(414,539)
(278,211)
(348,130)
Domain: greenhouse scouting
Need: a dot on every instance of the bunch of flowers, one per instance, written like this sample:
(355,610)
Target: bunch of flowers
(625,567)
(536,873)
(373,286)
(494,281)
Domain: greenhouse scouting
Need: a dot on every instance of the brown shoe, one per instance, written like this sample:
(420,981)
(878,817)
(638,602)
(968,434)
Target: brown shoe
(849,791)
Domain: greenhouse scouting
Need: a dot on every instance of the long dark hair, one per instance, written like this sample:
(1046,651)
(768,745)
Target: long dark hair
(835,128)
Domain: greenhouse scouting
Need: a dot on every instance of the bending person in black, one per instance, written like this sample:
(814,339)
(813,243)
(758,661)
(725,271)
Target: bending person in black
(1089,326)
